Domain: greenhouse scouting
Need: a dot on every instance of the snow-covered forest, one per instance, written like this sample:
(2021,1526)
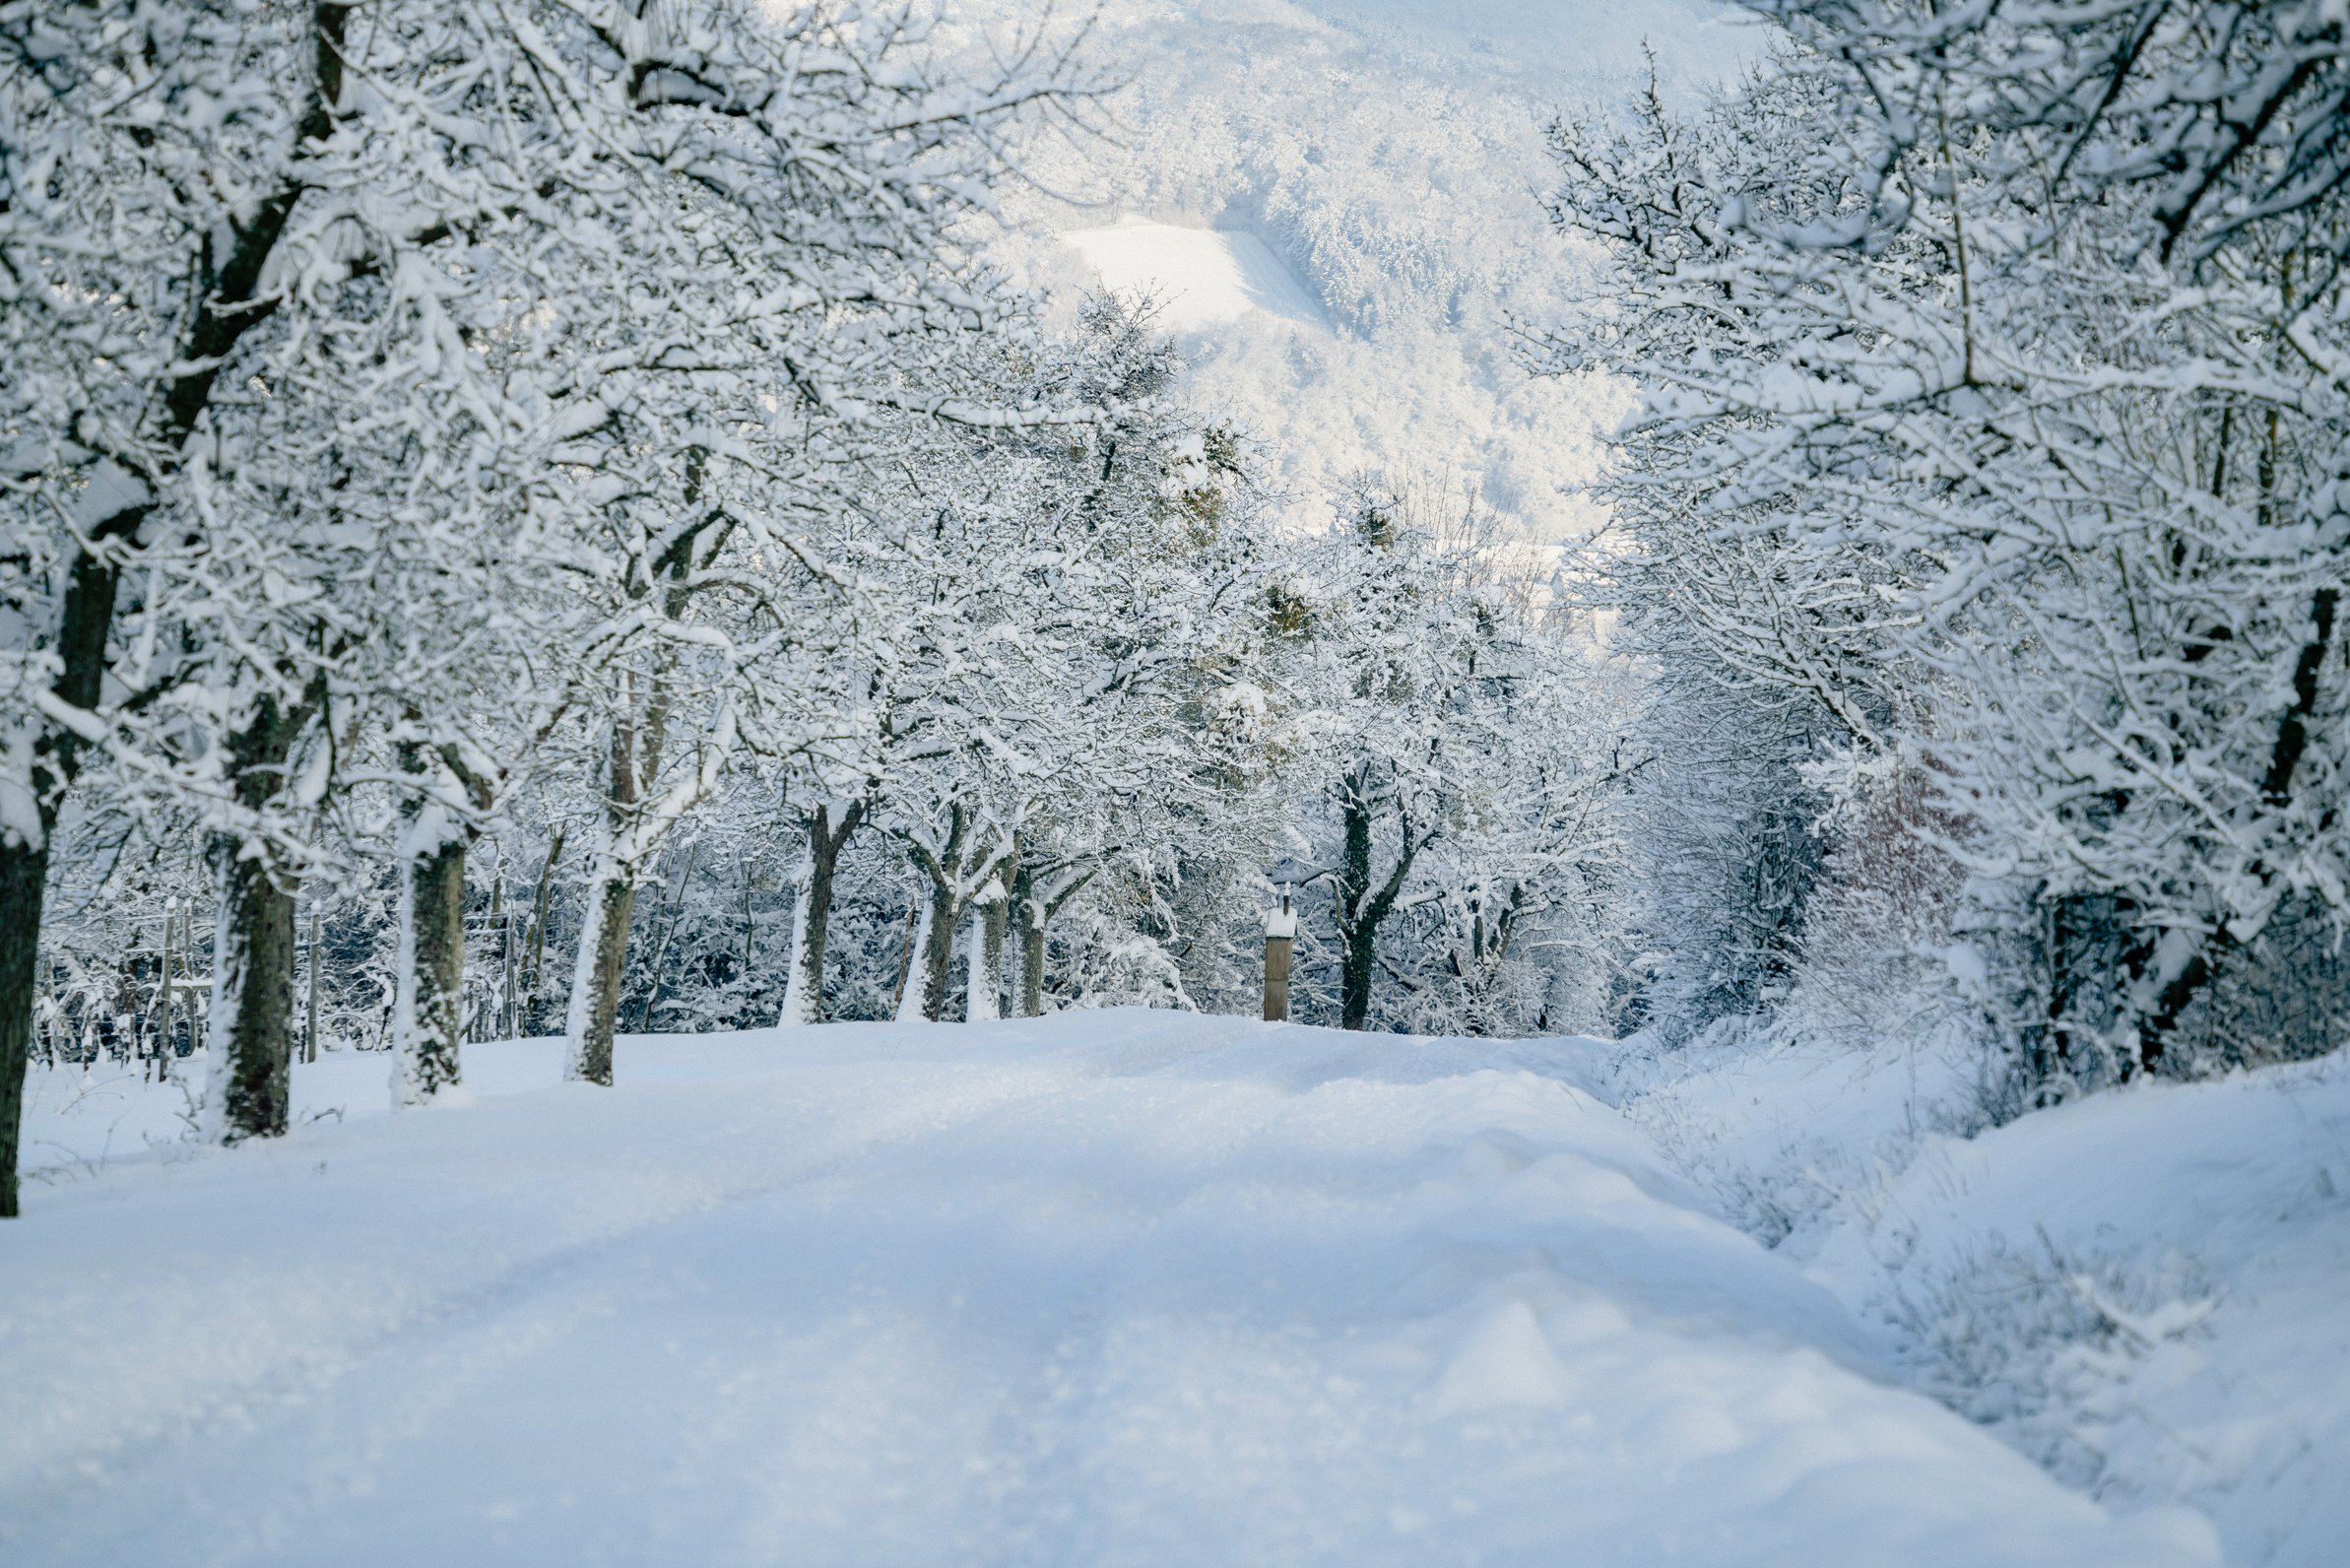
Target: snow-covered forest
(1765,580)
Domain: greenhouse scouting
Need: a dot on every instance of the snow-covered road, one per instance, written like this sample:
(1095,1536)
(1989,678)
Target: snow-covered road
(1112,1288)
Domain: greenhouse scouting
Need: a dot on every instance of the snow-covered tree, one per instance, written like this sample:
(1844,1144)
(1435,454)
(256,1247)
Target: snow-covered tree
(1992,418)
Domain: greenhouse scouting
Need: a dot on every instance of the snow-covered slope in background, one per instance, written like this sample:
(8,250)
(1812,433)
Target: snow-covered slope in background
(1105,1289)
(1199,277)
(1386,157)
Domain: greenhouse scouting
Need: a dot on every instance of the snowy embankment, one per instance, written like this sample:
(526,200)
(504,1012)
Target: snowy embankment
(1111,1288)
(2143,1290)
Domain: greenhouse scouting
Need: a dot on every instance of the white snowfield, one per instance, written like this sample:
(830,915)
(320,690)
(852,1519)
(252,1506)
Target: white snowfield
(1109,1289)
(1194,277)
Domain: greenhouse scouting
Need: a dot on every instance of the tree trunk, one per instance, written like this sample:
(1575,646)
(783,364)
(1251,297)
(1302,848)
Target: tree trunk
(937,951)
(909,981)
(250,1033)
(534,963)
(508,1022)
(250,1045)
(310,1022)
(983,960)
(1358,928)
(24,878)
(611,899)
(596,985)
(1031,916)
(428,1035)
(803,992)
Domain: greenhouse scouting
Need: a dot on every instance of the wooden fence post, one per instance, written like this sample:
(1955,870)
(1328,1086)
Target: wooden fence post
(1280,932)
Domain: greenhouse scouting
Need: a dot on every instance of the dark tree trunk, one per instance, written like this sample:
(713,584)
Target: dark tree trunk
(253,956)
(436,892)
(23,875)
(1030,914)
(1358,932)
(803,993)
(534,959)
(1361,907)
(607,960)
(611,898)
(253,1043)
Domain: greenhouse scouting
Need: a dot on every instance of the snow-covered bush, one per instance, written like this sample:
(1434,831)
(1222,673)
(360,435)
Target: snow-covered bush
(2039,1343)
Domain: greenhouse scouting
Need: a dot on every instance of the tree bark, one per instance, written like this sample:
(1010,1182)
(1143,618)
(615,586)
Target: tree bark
(985,999)
(535,963)
(1358,937)
(937,951)
(252,1028)
(250,1033)
(311,1024)
(431,1023)
(1031,918)
(803,993)
(595,986)
(1361,908)
(611,898)
(23,875)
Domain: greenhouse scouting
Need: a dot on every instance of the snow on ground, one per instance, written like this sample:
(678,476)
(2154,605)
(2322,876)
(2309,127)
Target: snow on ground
(1195,277)
(1109,1288)
(2143,1290)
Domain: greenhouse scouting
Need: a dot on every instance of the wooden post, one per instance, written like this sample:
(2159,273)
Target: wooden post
(1281,932)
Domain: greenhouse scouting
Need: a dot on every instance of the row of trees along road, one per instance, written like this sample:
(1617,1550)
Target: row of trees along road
(477,468)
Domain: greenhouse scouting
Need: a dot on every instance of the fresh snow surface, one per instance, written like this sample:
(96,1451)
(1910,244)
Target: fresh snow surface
(1195,276)
(2143,1291)
(1109,1289)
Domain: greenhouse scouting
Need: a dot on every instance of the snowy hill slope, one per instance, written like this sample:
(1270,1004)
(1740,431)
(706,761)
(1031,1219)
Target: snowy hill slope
(1109,1288)
(1386,157)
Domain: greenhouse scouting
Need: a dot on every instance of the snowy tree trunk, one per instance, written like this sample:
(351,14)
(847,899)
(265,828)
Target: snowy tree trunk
(1031,959)
(801,990)
(909,995)
(596,983)
(803,993)
(996,914)
(937,956)
(982,959)
(535,947)
(429,1024)
(249,1036)
(612,896)
(29,802)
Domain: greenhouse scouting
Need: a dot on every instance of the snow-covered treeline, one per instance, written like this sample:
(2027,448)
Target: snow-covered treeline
(541,515)
(1984,520)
